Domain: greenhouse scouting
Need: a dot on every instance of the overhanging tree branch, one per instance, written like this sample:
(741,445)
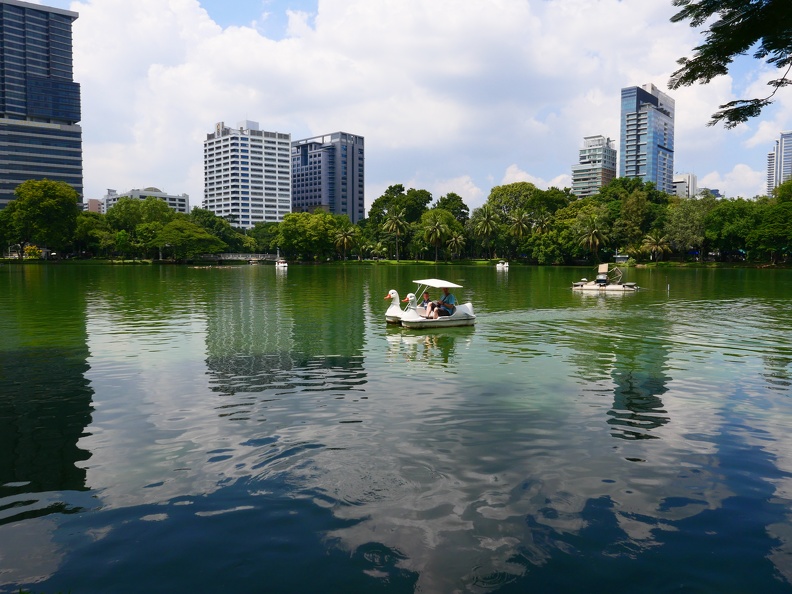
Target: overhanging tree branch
(739,25)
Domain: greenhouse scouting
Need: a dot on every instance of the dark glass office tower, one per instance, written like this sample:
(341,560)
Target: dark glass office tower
(647,136)
(328,173)
(39,100)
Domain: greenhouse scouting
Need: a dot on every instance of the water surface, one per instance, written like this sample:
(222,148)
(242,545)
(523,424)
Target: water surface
(260,430)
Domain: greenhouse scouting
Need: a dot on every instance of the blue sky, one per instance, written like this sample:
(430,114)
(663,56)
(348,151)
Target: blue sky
(450,96)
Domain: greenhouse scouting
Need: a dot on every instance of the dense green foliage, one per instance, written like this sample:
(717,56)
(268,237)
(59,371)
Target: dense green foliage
(736,27)
(517,222)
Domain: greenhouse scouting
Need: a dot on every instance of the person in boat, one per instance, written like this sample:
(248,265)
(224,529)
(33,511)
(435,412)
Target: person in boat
(445,306)
(426,301)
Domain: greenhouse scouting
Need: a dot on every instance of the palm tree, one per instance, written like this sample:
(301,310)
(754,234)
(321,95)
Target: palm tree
(486,224)
(456,243)
(435,231)
(379,249)
(345,239)
(541,221)
(591,236)
(656,245)
(396,223)
(519,224)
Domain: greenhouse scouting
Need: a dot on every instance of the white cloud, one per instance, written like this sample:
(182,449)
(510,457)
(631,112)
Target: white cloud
(448,95)
(742,181)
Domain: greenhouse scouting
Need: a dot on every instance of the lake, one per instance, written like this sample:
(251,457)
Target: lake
(252,429)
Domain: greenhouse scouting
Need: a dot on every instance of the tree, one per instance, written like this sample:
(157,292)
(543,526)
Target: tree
(686,225)
(774,231)
(591,235)
(783,192)
(519,223)
(187,239)
(485,224)
(736,27)
(436,226)
(656,245)
(88,233)
(125,215)
(345,238)
(453,203)
(456,243)
(396,223)
(43,213)
(217,226)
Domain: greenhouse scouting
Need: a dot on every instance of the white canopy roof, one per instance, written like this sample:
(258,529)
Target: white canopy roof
(437,283)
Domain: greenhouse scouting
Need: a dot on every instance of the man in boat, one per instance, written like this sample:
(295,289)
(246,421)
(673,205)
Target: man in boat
(445,306)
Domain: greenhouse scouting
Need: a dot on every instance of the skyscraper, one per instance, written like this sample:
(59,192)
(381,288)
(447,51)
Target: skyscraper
(597,166)
(328,174)
(779,162)
(647,136)
(247,174)
(39,100)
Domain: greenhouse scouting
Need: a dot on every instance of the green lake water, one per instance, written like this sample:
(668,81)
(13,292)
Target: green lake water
(247,429)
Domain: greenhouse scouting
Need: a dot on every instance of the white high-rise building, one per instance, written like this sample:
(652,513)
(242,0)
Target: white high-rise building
(779,162)
(247,174)
(597,166)
(685,185)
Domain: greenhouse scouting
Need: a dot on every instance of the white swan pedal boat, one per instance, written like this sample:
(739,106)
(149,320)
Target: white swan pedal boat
(412,315)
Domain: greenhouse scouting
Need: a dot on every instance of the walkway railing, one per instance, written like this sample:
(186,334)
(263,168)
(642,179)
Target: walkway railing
(239,257)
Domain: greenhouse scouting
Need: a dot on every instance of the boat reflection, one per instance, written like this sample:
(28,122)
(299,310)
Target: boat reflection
(433,347)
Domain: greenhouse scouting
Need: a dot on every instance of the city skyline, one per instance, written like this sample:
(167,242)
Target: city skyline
(449,98)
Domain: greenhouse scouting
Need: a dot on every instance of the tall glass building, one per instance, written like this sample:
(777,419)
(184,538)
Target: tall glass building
(779,162)
(39,100)
(647,136)
(328,174)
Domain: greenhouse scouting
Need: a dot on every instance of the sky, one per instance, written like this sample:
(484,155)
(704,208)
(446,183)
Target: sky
(450,96)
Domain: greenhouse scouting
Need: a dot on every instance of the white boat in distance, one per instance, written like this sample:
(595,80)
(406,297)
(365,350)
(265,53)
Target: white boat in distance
(608,280)
(412,315)
(502,265)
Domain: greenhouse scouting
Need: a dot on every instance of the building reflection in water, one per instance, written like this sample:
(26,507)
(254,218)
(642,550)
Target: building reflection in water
(264,337)
(605,346)
(45,408)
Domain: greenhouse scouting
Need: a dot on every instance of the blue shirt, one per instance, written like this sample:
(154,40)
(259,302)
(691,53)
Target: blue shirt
(448,302)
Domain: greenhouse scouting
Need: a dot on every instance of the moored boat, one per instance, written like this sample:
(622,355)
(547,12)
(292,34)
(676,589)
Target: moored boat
(608,280)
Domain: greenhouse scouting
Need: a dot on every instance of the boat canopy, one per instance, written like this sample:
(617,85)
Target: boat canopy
(437,283)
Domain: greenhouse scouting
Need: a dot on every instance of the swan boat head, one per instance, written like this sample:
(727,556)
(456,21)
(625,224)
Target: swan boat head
(393,314)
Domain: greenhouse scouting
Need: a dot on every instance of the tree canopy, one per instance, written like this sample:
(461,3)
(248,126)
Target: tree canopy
(736,27)
(44,212)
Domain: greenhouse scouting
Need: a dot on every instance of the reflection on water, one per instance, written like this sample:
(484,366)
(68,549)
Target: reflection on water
(248,428)
(430,347)
(45,409)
